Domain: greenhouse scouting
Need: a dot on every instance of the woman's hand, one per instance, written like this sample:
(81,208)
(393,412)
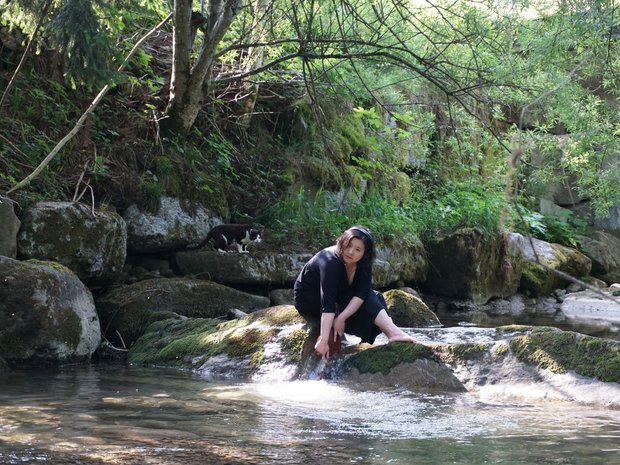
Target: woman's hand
(322,347)
(338,327)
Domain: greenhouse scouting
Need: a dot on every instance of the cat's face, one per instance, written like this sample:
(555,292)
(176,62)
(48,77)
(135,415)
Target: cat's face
(255,235)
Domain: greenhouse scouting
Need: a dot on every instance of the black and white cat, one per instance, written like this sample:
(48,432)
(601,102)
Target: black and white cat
(224,235)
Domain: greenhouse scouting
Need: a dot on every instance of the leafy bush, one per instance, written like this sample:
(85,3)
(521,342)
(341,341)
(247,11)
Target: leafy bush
(459,205)
(550,228)
(316,221)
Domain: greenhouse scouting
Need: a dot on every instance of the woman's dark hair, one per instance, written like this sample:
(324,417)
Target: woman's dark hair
(363,234)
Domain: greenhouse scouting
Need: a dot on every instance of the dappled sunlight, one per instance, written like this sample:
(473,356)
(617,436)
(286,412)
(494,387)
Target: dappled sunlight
(167,417)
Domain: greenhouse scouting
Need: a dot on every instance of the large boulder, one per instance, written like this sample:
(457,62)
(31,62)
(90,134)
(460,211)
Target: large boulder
(172,227)
(514,362)
(92,244)
(393,264)
(47,315)
(10,227)
(270,342)
(409,311)
(603,249)
(399,262)
(413,366)
(126,311)
(277,344)
(546,263)
(470,264)
(242,268)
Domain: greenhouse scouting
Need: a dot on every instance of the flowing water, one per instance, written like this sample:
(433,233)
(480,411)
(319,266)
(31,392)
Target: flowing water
(110,414)
(106,414)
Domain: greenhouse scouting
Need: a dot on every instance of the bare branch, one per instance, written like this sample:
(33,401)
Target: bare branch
(85,115)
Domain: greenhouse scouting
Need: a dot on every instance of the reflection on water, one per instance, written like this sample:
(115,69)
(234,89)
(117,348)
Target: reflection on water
(117,415)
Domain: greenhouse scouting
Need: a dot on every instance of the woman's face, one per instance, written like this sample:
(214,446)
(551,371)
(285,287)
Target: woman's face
(353,252)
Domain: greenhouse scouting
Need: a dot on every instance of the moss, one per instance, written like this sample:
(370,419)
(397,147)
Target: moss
(179,342)
(468,351)
(384,358)
(535,278)
(67,328)
(279,315)
(53,265)
(501,350)
(560,351)
(407,310)
(293,344)
(186,335)
(401,192)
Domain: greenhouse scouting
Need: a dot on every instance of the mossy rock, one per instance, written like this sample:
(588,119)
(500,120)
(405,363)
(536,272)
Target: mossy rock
(536,279)
(541,280)
(563,351)
(93,244)
(126,311)
(47,315)
(382,359)
(409,311)
(467,351)
(192,342)
(471,264)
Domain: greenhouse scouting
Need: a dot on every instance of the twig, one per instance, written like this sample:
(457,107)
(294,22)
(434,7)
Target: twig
(77,185)
(121,338)
(17,150)
(85,115)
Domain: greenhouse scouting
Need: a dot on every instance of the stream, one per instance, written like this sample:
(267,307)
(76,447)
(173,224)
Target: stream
(110,414)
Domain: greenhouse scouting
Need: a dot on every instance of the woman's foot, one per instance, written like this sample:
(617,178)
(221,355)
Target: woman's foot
(393,332)
(402,338)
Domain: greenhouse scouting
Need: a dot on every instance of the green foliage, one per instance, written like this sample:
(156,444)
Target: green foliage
(550,228)
(316,221)
(459,205)
(406,133)
(75,27)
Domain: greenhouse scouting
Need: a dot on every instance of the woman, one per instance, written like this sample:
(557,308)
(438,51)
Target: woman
(335,285)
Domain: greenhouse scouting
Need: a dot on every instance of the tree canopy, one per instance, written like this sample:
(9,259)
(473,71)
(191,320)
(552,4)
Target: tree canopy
(466,84)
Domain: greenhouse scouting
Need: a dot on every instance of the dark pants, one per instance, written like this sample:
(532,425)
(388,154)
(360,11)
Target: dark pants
(360,324)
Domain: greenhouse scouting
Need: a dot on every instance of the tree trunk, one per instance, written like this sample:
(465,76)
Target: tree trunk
(253,60)
(188,91)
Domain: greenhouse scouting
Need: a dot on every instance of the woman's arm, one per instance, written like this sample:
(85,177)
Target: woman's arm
(322,343)
(354,304)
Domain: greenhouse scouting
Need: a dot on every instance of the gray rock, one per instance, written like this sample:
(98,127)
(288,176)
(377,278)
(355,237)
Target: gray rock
(47,315)
(93,246)
(10,227)
(592,307)
(468,264)
(126,311)
(399,263)
(549,266)
(259,267)
(246,269)
(281,296)
(603,249)
(172,227)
